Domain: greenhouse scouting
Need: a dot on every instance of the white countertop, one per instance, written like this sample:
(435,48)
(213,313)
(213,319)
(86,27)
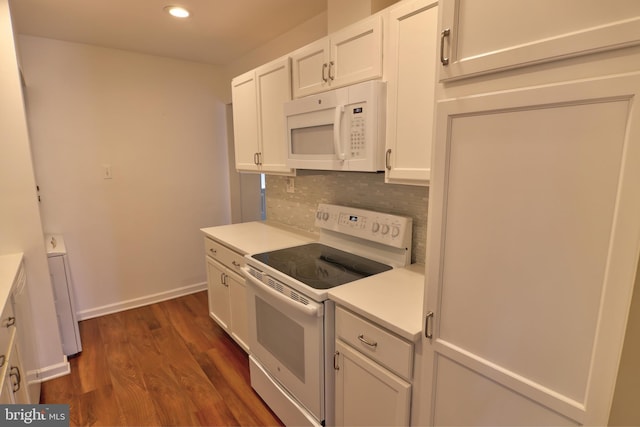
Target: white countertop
(258,236)
(392,299)
(9,266)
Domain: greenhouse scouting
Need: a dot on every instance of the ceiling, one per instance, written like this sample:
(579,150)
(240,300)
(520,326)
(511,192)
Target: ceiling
(217,32)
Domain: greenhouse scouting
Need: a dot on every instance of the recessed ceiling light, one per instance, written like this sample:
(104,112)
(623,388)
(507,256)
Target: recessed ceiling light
(177,11)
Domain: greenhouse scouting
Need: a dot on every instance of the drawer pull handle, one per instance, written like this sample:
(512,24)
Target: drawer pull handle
(367,342)
(2,360)
(236,264)
(213,251)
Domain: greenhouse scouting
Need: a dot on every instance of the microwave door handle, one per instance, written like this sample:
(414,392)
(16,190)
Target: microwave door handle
(337,125)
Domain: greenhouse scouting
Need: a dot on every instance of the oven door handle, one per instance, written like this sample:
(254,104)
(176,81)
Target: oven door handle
(310,310)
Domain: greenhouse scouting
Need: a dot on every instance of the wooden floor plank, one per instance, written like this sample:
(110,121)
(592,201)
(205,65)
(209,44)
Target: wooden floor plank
(164,364)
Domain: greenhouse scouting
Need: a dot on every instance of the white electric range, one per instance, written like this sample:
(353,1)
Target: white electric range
(291,320)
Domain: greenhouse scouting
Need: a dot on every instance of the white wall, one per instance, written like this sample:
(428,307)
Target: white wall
(160,124)
(20,226)
(305,33)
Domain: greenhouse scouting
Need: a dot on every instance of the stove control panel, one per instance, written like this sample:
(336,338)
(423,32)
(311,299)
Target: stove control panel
(387,229)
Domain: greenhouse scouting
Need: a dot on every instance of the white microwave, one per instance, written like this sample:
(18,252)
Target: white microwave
(343,129)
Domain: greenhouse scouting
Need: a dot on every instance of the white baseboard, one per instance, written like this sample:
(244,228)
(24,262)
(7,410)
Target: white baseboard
(50,372)
(139,302)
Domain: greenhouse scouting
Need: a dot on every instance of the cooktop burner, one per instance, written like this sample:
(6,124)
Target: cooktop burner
(320,266)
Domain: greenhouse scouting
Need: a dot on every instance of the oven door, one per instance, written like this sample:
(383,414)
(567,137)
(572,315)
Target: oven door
(286,338)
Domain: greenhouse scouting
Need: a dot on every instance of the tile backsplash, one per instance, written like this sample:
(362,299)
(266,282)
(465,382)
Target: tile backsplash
(357,189)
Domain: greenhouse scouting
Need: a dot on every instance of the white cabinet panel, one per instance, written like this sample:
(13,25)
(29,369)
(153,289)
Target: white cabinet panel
(534,244)
(226,291)
(493,35)
(458,402)
(245,121)
(274,89)
(310,68)
(238,306)
(351,55)
(218,292)
(410,68)
(258,118)
(356,52)
(367,394)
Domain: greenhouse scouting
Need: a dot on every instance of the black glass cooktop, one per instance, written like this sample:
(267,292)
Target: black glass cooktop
(320,266)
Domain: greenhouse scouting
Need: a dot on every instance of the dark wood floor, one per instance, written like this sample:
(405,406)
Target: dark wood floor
(167,364)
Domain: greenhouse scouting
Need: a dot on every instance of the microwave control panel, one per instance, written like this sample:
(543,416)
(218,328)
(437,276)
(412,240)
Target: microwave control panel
(357,132)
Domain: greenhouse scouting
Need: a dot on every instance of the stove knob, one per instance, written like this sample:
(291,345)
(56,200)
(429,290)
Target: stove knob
(318,215)
(375,227)
(395,231)
(385,229)
(325,216)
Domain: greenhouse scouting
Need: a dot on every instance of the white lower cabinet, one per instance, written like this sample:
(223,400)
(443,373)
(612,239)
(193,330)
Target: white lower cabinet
(226,291)
(14,387)
(373,370)
(13,377)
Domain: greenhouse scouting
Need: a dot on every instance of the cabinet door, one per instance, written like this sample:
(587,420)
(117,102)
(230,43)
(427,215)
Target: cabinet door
(410,64)
(245,121)
(310,68)
(14,382)
(367,394)
(18,377)
(493,35)
(218,292)
(239,315)
(356,53)
(533,246)
(274,89)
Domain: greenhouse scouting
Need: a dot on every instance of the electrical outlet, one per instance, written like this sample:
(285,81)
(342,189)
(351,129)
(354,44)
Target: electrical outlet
(290,185)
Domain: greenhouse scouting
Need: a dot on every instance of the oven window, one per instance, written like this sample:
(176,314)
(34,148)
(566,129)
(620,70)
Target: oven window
(282,337)
(312,140)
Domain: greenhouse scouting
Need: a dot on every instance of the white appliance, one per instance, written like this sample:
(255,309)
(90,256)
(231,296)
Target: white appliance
(291,320)
(342,129)
(63,294)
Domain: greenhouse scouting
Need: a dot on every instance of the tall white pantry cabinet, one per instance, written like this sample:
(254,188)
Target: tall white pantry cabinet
(534,212)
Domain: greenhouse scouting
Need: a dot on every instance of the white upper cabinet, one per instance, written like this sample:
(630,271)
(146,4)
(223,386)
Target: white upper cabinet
(245,121)
(258,118)
(478,37)
(410,68)
(351,55)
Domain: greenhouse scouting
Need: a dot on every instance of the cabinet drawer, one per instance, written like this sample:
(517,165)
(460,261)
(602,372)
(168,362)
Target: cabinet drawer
(376,343)
(226,256)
